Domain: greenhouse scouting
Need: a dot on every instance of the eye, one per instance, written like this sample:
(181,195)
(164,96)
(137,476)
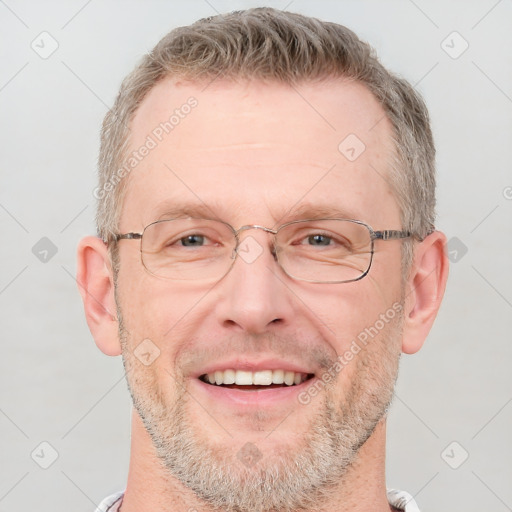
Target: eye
(319,240)
(193,240)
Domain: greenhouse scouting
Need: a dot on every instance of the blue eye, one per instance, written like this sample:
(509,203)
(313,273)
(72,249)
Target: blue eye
(319,240)
(192,240)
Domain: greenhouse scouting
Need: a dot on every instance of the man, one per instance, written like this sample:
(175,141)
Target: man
(266,253)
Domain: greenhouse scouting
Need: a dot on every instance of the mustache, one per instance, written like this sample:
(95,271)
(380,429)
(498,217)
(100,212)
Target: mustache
(315,353)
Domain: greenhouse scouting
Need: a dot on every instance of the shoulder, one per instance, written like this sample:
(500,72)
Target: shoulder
(402,500)
(110,503)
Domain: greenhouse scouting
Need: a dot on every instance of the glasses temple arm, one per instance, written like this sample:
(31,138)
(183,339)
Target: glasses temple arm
(395,234)
(125,236)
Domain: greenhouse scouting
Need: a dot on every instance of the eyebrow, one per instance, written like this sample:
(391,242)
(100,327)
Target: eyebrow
(315,211)
(180,209)
(177,208)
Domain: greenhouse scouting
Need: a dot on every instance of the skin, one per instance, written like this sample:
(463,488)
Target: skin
(252,152)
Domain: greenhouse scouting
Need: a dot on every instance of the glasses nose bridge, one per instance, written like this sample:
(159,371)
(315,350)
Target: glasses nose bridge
(254,226)
(247,228)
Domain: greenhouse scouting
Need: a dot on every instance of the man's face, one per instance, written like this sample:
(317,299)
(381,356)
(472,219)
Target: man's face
(253,153)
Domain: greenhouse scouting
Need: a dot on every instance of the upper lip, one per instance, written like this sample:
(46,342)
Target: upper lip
(252,365)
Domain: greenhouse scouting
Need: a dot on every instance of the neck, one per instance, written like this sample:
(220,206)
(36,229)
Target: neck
(151,487)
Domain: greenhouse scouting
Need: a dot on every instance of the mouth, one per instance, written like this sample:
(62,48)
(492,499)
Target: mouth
(244,380)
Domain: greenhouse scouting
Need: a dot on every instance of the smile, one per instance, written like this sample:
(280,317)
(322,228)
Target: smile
(249,381)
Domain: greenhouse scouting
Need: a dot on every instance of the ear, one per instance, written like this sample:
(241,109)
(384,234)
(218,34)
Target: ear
(424,291)
(96,284)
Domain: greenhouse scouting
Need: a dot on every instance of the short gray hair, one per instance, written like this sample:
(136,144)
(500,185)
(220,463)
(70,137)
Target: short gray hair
(277,46)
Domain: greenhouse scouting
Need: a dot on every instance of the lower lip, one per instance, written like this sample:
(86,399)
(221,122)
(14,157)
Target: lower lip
(260,397)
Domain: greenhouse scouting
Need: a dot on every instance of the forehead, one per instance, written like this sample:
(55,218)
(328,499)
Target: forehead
(251,152)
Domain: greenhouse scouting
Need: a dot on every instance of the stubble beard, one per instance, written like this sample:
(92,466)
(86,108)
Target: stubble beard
(291,481)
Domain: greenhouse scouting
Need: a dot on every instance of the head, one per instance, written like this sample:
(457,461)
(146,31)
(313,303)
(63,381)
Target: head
(246,117)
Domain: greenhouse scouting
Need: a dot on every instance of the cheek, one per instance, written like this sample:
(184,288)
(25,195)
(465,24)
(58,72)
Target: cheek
(368,365)
(346,312)
(166,313)
(148,302)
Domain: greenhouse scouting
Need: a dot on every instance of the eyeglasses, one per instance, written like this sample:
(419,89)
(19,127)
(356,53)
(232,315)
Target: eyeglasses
(316,250)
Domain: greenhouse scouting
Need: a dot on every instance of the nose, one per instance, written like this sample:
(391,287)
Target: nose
(254,296)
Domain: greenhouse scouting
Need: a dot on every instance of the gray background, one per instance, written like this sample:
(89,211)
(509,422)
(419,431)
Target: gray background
(57,387)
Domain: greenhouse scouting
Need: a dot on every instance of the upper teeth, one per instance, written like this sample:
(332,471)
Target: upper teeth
(261,378)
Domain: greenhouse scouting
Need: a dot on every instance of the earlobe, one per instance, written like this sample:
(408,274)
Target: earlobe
(96,286)
(424,291)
